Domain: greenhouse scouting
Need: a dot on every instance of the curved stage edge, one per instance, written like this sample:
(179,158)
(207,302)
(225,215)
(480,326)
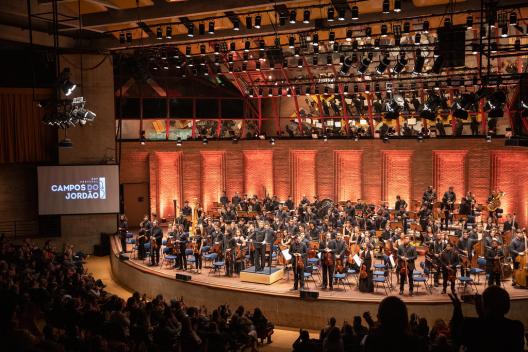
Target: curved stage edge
(285,308)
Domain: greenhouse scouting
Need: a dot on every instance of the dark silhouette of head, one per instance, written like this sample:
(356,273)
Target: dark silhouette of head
(393,316)
(495,302)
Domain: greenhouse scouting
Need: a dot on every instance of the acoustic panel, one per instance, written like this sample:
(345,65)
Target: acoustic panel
(302,174)
(348,174)
(258,172)
(213,177)
(397,175)
(450,169)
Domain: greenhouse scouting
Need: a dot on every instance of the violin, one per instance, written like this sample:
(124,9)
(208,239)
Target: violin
(329,258)
(299,263)
(363,272)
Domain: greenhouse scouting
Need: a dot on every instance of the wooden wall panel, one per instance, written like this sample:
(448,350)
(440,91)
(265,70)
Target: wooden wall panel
(348,174)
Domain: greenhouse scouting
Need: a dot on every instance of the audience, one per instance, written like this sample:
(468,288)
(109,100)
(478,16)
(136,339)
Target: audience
(50,303)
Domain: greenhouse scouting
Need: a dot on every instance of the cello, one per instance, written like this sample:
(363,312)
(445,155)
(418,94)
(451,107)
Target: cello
(521,274)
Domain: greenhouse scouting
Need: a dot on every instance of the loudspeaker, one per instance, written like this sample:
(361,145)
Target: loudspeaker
(183,277)
(123,257)
(452,45)
(309,295)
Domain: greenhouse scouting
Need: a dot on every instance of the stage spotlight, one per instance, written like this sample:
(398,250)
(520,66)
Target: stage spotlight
(211,27)
(363,66)
(504,32)
(159,33)
(386,7)
(329,60)
(430,107)
(307,91)
(325,138)
(288,93)
(168,32)
(377,43)
(178,142)
(291,42)
(420,137)
(128,36)
(355,12)
(331,37)
(345,68)
(65,84)
(297,52)
(330,14)
(513,19)
(326,91)
(418,62)
(417,39)
(488,138)
(142,139)
(368,32)
(425,27)
(272,141)
(341,14)
(335,47)
(249,23)
(315,39)
(406,27)
(293,16)
(495,104)
(236,25)
(300,63)
(190,30)
(397,5)
(247,45)
(438,64)
(205,141)
(315,60)
(345,90)
(258,21)
(262,45)
(400,63)
(122,39)
(251,92)
(349,35)
(260,92)
(469,22)
(384,63)
(306,16)
(384,30)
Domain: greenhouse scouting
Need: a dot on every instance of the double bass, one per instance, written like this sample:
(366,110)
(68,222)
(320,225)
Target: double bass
(521,274)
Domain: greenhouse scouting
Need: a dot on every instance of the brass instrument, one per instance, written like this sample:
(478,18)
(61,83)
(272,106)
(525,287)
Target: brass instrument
(495,202)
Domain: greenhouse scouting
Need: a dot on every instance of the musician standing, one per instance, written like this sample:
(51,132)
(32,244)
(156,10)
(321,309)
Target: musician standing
(494,201)
(144,235)
(449,259)
(517,248)
(406,256)
(258,238)
(228,246)
(429,197)
(465,248)
(400,211)
(326,250)
(155,245)
(197,252)
(510,224)
(435,250)
(186,210)
(183,238)
(493,263)
(298,251)
(448,205)
(123,229)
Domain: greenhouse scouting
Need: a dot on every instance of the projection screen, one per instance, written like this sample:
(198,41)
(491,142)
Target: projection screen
(86,189)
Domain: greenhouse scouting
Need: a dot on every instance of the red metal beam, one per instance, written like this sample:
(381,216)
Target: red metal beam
(299,119)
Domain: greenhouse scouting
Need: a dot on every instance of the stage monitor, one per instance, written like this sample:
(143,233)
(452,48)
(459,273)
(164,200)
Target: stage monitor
(87,189)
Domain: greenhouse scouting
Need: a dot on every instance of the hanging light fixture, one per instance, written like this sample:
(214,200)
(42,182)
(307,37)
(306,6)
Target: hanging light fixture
(469,22)
(355,12)
(330,14)
(386,7)
(293,16)
(258,21)
(397,5)
(190,30)
(211,27)
(384,63)
(400,63)
(159,33)
(249,22)
(236,25)
(341,14)
(306,16)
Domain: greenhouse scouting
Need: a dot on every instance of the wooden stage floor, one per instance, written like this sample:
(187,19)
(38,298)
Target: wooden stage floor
(350,293)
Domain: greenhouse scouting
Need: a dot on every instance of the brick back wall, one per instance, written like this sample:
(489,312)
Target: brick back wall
(316,167)
(258,172)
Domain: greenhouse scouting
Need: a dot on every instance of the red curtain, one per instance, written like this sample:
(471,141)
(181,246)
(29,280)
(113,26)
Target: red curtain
(23,136)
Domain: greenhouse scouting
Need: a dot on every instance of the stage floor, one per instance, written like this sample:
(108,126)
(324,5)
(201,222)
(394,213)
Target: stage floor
(349,293)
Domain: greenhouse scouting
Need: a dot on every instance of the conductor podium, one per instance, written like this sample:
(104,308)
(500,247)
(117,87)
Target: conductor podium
(266,276)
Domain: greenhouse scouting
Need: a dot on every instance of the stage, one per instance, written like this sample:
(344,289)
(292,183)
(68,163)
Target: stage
(279,303)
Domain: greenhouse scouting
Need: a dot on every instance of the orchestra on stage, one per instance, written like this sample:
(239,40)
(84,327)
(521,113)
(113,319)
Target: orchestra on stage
(429,243)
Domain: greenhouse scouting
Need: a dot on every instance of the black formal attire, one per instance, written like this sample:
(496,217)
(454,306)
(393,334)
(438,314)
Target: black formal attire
(187,210)
(409,252)
(448,205)
(123,229)
(197,251)
(259,254)
(428,199)
(508,225)
(157,235)
(466,244)
(328,265)
(301,249)
(228,247)
(400,211)
(516,246)
(270,237)
(494,276)
(183,238)
(436,247)
(449,260)
(224,200)
(144,233)
(366,284)
(289,204)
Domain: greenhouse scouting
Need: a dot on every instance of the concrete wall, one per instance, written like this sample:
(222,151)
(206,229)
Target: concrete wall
(93,143)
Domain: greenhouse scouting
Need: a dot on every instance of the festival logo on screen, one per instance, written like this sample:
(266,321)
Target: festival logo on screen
(93,188)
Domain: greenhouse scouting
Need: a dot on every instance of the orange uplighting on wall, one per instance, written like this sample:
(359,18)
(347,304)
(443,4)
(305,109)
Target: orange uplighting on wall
(449,169)
(213,177)
(258,172)
(509,174)
(397,176)
(169,182)
(302,174)
(348,174)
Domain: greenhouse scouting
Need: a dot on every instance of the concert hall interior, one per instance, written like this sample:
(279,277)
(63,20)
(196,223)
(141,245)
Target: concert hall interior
(246,175)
